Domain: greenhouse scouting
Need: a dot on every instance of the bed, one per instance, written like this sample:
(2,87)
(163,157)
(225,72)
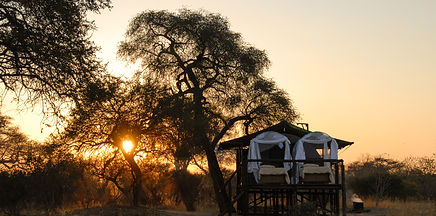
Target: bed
(269,174)
(313,173)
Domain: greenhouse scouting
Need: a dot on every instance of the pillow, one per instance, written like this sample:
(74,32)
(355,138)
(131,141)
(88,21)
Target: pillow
(267,166)
(310,165)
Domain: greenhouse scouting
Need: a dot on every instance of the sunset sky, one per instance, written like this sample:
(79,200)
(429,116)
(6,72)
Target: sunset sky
(361,70)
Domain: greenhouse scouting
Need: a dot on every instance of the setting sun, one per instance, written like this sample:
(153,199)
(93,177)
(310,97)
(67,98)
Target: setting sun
(127,145)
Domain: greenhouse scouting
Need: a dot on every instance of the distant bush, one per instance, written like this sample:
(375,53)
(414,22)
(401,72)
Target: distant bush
(13,192)
(381,178)
(46,187)
(396,186)
(188,186)
(54,184)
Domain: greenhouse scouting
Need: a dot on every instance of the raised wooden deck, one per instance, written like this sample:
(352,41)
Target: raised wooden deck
(251,198)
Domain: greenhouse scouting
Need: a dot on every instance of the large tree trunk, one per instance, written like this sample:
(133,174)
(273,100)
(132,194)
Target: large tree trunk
(215,173)
(138,192)
(221,196)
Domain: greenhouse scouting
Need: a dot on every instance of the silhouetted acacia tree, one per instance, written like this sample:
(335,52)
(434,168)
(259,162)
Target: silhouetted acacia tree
(177,134)
(382,177)
(422,172)
(45,51)
(118,111)
(378,174)
(197,55)
(17,152)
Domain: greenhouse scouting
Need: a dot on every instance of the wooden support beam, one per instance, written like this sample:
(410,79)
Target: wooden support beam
(344,192)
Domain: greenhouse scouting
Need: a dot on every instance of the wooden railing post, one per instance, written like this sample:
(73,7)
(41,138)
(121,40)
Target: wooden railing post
(244,178)
(336,172)
(294,172)
(344,192)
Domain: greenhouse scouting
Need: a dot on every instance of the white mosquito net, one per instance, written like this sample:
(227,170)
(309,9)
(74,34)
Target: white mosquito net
(263,142)
(316,138)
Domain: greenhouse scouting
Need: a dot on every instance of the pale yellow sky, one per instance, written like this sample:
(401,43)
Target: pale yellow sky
(359,70)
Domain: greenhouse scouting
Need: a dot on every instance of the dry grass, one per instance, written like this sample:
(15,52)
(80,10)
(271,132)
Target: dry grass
(119,210)
(137,211)
(399,208)
(385,208)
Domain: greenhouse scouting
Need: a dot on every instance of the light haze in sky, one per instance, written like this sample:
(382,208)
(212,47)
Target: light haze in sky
(363,71)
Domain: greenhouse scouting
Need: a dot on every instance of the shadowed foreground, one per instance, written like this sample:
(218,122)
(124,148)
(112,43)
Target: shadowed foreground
(135,211)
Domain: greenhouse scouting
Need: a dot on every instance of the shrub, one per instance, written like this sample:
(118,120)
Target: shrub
(13,191)
(304,209)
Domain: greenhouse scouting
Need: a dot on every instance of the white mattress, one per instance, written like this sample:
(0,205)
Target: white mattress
(315,169)
(271,170)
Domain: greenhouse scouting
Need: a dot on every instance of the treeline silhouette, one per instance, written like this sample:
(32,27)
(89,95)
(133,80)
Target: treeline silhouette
(199,82)
(381,177)
(46,177)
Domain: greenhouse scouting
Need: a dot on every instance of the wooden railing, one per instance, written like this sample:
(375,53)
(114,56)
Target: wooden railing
(228,185)
(336,166)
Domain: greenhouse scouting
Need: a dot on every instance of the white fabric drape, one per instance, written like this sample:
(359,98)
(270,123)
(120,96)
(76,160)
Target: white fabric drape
(263,142)
(316,138)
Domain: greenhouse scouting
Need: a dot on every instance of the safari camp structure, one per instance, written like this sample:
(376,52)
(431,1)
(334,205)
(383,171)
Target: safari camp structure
(284,167)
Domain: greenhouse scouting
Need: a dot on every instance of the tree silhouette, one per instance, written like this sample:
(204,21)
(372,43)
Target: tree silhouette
(197,55)
(119,111)
(17,152)
(45,51)
(379,174)
(177,133)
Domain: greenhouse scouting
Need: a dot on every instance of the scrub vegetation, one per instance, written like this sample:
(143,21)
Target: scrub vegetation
(381,178)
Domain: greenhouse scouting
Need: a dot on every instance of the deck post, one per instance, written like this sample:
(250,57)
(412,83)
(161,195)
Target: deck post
(238,177)
(244,178)
(344,192)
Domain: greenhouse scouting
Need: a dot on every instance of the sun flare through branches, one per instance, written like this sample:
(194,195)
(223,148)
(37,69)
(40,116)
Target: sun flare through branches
(127,145)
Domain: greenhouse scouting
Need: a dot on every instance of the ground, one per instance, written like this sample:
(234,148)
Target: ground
(136,211)
(384,208)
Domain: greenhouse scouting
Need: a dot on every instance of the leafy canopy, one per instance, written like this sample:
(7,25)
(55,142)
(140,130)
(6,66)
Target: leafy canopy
(45,51)
(208,66)
(197,55)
